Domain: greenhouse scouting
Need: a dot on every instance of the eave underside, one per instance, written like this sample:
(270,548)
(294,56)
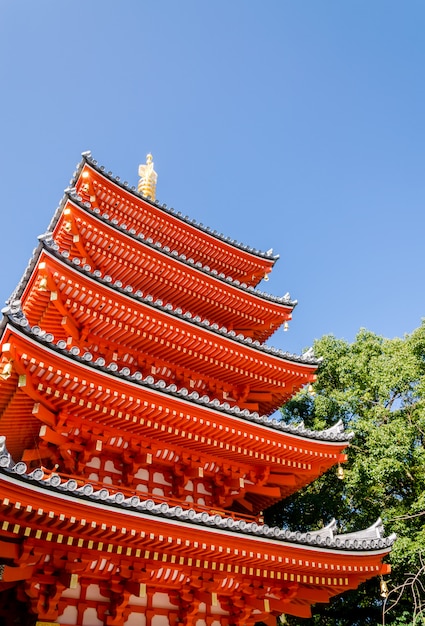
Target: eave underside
(106,323)
(169,229)
(149,269)
(78,535)
(48,387)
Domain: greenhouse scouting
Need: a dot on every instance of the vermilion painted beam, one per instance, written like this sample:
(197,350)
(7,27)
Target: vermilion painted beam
(9,550)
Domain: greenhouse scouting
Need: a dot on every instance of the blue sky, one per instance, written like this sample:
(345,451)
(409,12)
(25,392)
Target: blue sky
(297,125)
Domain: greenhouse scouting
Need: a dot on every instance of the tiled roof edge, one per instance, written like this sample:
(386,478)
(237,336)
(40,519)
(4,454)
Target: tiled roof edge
(370,539)
(87,157)
(307,358)
(333,434)
(74,197)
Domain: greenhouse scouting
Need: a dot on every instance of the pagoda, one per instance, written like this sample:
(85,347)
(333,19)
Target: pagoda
(138,442)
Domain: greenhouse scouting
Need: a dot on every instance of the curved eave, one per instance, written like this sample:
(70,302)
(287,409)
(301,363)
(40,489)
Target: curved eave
(132,258)
(144,407)
(137,325)
(363,548)
(53,520)
(225,253)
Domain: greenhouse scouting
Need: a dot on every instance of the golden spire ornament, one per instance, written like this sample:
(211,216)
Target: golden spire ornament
(148,178)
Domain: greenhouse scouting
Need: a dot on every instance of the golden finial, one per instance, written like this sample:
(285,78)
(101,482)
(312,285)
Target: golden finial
(148,178)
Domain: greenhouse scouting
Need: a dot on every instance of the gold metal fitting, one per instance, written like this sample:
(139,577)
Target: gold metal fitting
(383,588)
(42,285)
(340,472)
(7,371)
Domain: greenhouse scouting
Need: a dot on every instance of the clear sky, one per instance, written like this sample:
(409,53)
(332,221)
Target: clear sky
(292,124)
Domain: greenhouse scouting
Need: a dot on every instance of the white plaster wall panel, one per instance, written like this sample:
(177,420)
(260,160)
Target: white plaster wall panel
(110,467)
(90,618)
(162,601)
(94,462)
(136,619)
(137,601)
(72,593)
(93,593)
(159,479)
(160,620)
(143,474)
(69,616)
(202,489)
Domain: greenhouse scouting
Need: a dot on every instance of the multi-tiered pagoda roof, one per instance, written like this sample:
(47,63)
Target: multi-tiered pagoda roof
(138,445)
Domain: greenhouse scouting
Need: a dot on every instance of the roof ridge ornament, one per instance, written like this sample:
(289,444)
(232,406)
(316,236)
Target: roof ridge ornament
(148,178)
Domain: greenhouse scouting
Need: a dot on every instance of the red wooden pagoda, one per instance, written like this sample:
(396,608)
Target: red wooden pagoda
(137,443)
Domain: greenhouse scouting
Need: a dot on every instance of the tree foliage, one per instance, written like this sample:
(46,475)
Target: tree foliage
(377,387)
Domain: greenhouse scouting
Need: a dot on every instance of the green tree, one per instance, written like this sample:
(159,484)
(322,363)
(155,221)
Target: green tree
(377,387)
